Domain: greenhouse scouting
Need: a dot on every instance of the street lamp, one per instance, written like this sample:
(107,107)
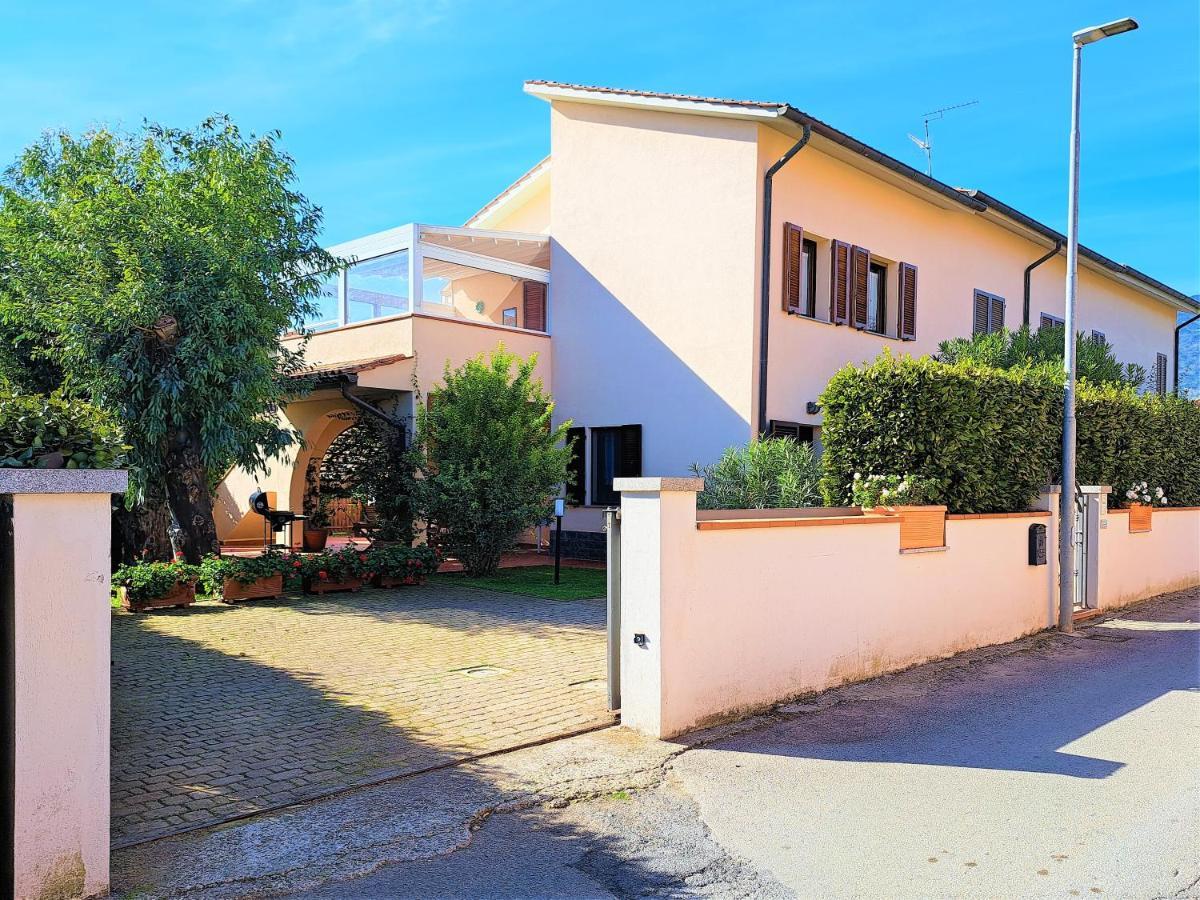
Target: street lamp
(1066,524)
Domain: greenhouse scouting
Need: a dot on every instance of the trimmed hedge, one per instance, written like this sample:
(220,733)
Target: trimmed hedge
(990,438)
(39,432)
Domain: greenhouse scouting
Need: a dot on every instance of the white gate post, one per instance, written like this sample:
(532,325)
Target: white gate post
(54,593)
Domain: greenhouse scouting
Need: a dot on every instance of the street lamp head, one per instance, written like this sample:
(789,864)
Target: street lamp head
(1100,32)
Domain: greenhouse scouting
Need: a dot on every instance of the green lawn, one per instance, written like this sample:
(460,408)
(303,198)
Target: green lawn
(535,581)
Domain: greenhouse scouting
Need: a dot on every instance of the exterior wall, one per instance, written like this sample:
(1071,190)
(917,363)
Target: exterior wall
(742,618)
(531,215)
(956,252)
(1136,566)
(57,611)
(652,259)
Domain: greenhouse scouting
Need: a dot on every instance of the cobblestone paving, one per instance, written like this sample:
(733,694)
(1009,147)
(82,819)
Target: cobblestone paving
(221,711)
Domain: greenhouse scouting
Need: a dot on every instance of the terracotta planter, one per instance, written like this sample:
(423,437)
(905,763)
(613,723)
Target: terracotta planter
(233,590)
(317,586)
(314,539)
(393,581)
(182,595)
(921,527)
(1140,515)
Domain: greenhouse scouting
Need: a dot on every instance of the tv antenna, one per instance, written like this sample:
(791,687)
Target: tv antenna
(926,146)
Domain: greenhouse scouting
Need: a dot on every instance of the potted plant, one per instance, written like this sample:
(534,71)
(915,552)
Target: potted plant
(236,578)
(922,523)
(156,585)
(337,570)
(316,509)
(392,565)
(1141,500)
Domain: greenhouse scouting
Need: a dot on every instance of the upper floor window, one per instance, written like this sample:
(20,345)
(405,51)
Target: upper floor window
(876,297)
(808,277)
(988,313)
(1160,373)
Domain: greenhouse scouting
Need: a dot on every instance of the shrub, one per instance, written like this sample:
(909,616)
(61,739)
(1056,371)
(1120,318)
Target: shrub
(983,437)
(50,432)
(214,570)
(488,457)
(773,473)
(398,561)
(332,565)
(146,581)
(870,491)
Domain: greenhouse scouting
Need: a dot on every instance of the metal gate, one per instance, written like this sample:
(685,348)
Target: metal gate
(612,529)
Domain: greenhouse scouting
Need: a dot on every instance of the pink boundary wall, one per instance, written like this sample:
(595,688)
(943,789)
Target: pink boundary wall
(738,619)
(59,584)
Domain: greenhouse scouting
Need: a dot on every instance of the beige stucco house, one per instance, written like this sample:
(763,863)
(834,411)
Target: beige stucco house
(672,321)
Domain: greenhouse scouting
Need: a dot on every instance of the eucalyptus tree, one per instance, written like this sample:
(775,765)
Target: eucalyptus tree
(154,273)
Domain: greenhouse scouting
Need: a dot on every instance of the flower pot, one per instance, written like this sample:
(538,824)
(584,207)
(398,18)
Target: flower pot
(233,590)
(921,527)
(329,586)
(1140,515)
(314,539)
(392,581)
(179,596)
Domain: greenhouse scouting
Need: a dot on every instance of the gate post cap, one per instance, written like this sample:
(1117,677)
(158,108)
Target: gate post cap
(660,484)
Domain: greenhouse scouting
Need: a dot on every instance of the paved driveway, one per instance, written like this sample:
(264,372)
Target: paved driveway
(223,711)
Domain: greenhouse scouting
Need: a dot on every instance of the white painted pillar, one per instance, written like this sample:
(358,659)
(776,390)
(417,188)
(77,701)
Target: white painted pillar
(658,526)
(54,592)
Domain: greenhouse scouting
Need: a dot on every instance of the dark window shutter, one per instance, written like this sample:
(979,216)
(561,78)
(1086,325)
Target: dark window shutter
(839,283)
(629,461)
(860,269)
(793,251)
(908,302)
(1160,373)
(1099,338)
(996,322)
(577,487)
(801,434)
(980,320)
(1046,321)
(534,302)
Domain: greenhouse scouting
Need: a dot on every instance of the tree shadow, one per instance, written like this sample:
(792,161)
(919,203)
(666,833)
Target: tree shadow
(1018,712)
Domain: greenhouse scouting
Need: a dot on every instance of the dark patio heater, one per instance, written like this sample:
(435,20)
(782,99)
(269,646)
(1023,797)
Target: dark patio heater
(274,521)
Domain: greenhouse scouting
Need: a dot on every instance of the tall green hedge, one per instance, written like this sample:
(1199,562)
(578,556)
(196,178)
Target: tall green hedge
(990,438)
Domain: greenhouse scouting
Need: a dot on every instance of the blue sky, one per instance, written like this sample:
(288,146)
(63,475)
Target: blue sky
(402,111)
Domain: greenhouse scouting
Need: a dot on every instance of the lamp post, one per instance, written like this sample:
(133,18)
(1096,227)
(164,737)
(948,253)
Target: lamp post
(1066,524)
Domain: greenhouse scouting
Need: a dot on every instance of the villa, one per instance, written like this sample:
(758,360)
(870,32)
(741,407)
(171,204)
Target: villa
(685,288)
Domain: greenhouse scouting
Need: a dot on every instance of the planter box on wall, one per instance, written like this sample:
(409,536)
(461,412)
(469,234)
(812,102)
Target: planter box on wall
(1140,515)
(233,590)
(317,586)
(921,527)
(182,595)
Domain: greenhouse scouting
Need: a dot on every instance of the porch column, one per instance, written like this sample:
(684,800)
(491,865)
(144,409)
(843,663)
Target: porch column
(54,592)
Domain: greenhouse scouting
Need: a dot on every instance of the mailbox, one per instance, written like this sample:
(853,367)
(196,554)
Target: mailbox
(1037,545)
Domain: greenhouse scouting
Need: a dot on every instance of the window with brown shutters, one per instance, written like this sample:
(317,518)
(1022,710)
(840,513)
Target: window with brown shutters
(988,313)
(1048,321)
(906,328)
(860,274)
(839,283)
(1160,373)
(577,468)
(801,434)
(1099,338)
(534,303)
(793,268)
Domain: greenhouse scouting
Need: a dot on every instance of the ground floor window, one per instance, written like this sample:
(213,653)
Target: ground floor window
(616,453)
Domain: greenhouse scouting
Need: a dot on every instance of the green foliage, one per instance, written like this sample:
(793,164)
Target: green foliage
(214,570)
(869,491)
(331,565)
(488,457)
(54,432)
(104,235)
(147,581)
(984,437)
(399,561)
(989,439)
(369,462)
(1094,360)
(773,473)
(534,581)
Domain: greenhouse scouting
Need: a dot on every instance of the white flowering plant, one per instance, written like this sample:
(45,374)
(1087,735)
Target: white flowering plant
(869,491)
(1141,492)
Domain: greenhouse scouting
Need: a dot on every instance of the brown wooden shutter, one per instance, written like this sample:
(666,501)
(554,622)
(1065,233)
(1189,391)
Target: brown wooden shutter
(629,458)
(577,483)
(534,302)
(996,322)
(793,256)
(860,270)
(908,302)
(980,318)
(839,283)
(1160,373)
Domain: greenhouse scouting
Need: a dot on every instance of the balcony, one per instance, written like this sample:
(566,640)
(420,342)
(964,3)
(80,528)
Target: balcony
(484,277)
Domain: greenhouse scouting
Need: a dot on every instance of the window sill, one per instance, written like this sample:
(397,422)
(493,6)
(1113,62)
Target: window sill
(876,334)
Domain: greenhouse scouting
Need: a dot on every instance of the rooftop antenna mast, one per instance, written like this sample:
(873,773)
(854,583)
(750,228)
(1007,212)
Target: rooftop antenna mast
(926,146)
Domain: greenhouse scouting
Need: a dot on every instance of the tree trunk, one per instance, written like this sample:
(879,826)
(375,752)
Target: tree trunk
(189,497)
(142,534)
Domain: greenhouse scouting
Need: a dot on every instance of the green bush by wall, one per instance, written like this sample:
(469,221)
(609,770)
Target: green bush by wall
(990,438)
(52,432)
